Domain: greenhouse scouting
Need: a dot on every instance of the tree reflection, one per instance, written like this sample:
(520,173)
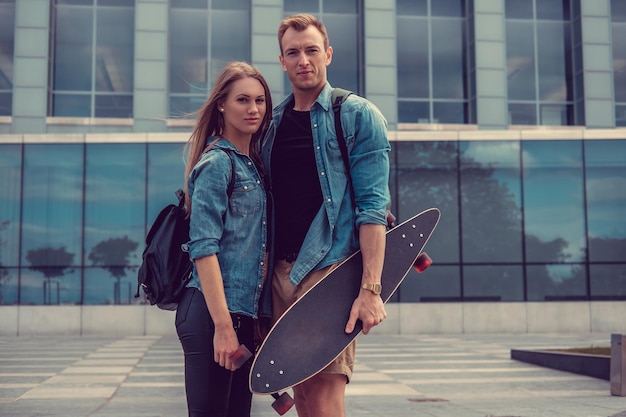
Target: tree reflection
(488,195)
(4,272)
(52,263)
(113,255)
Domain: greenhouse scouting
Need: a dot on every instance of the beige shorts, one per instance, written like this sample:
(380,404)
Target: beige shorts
(284,294)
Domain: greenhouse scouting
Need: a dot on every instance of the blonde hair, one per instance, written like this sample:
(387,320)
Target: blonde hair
(300,22)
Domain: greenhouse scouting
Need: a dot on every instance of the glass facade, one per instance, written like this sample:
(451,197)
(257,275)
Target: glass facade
(523,220)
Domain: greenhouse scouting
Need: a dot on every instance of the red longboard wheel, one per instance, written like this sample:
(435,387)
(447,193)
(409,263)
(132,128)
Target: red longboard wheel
(240,356)
(422,262)
(283,403)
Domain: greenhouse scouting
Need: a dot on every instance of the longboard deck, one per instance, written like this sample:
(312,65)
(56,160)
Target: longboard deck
(310,334)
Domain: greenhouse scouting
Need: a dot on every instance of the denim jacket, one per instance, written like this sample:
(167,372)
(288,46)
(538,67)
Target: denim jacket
(235,229)
(333,234)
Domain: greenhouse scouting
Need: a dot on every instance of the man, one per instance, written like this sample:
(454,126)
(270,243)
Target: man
(316,224)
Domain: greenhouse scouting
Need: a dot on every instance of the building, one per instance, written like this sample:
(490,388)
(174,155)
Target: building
(509,115)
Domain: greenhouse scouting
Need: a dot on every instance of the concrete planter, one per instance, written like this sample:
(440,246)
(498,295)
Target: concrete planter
(583,364)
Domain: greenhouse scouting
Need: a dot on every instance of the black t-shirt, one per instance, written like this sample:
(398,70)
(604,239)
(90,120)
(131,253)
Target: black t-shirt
(295,185)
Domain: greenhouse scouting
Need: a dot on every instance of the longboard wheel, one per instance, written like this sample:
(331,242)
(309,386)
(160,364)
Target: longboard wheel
(240,356)
(422,262)
(283,403)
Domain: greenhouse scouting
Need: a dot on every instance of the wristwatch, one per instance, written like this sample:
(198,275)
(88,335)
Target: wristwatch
(375,288)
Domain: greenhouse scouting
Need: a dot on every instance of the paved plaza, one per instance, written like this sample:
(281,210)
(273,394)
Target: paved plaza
(400,376)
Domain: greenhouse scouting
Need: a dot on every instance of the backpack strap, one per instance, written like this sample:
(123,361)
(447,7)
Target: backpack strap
(338,97)
(231,184)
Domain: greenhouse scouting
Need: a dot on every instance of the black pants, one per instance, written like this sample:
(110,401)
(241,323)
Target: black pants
(212,391)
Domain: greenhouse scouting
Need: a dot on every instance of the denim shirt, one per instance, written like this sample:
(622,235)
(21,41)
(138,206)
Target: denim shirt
(333,235)
(235,229)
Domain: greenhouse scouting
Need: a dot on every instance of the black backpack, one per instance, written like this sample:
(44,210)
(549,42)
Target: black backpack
(166,269)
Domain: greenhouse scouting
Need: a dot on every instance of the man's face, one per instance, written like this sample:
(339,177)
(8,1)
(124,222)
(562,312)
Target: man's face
(304,58)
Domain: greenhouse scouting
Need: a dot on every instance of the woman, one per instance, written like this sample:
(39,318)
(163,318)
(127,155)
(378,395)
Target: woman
(225,199)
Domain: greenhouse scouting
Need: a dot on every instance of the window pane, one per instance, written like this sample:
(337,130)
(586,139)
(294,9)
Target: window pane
(188,4)
(556,115)
(344,6)
(522,114)
(342,31)
(551,9)
(412,7)
(73,48)
(110,286)
(606,199)
(448,112)
(520,60)
(8,285)
(10,197)
(554,64)
(413,112)
(71,105)
(428,177)
(619,61)
(52,224)
(608,282)
(188,50)
(440,284)
(227,25)
(114,106)
(230,5)
(447,8)
(413,58)
(519,9)
(448,67)
(114,50)
(491,201)
(166,173)
(618,10)
(553,190)
(7,35)
(556,282)
(114,210)
(301,6)
(620,115)
(493,283)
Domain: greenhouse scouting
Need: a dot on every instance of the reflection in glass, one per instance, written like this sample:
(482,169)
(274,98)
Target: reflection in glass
(454,8)
(519,9)
(448,67)
(7,38)
(166,173)
(413,58)
(493,283)
(552,9)
(343,33)
(412,7)
(8,285)
(606,199)
(553,201)
(608,282)
(619,61)
(520,59)
(301,6)
(10,199)
(522,114)
(449,112)
(73,49)
(413,111)
(428,177)
(441,283)
(188,60)
(554,67)
(114,204)
(50,286)
(491,201)
(344,6)
(556,282)
(101,288)
(227,25)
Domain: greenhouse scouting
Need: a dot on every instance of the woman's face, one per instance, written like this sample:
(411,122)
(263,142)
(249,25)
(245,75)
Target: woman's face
(244,108)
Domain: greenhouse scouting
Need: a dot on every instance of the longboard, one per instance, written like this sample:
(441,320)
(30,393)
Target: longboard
(310,334)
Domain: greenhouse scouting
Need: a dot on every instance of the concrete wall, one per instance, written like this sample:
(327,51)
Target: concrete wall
(403,318)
